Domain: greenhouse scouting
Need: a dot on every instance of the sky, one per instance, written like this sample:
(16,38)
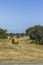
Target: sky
(18,15)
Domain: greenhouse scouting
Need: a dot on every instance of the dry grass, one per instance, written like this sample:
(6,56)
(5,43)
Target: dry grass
(21,52)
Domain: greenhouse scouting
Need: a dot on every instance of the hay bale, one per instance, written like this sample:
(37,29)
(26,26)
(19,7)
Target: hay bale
(13,41)
(17,42)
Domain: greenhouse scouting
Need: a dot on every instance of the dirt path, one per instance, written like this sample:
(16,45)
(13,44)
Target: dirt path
(9,63)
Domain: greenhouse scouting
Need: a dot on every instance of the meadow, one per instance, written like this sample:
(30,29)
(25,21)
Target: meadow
(22,52)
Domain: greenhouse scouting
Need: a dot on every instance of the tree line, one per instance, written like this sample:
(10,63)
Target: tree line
(34,32)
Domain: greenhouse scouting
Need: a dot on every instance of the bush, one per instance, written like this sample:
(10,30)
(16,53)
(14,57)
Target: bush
(41,41)
(3,34)
(36,33)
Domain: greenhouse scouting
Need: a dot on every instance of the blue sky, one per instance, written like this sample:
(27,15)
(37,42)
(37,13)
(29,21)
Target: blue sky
(18,15)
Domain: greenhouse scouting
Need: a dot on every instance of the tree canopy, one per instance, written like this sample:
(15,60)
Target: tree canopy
(36,33)
(3,34)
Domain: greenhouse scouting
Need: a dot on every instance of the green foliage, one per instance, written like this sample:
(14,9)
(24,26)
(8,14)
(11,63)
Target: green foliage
(11,34)
(36,33)
(23,34)
(3,34)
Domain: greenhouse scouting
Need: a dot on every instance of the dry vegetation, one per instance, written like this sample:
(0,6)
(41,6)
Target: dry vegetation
(21,52)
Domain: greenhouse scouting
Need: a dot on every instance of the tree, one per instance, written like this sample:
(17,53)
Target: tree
(36,33)
(22,34)
(3,34)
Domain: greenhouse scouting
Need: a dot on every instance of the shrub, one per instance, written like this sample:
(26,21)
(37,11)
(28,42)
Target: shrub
(3,34)
(36,33)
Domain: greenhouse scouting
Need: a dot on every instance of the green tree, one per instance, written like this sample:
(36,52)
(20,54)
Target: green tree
(3,34)
(36,33)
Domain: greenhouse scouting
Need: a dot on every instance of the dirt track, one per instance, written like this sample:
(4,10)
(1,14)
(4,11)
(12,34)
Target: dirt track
(9,63)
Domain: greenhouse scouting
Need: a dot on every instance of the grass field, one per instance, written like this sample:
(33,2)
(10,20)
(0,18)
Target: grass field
(21,52)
